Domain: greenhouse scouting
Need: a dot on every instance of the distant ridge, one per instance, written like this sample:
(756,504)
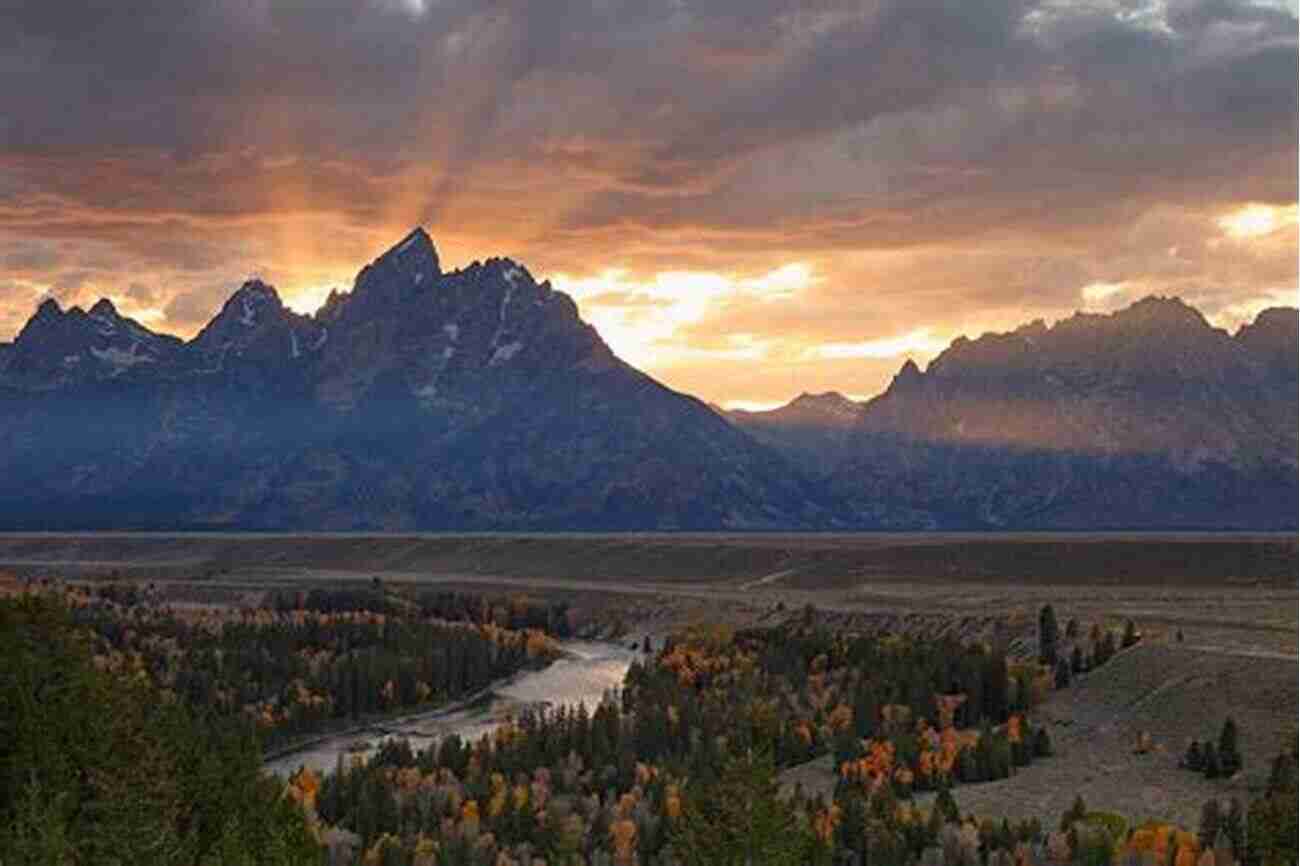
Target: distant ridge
(1146,417)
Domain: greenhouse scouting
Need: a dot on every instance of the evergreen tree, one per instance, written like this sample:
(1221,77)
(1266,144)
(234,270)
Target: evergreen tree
(1282,775)
(1233,826)
(740,820)
(1193,759)
(1210,821)
(1042,743)
(1130,634)
(1106,649)
(1077,811)
(1210,763)
(1274,819)
(1062,674)
(947,806)
(850,832)
(98,768)
(1229,757)
(1047,636)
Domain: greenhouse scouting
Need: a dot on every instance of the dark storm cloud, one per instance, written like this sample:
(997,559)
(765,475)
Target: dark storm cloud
(669,93)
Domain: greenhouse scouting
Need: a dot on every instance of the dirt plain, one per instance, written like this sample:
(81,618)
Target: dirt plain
(1233,598)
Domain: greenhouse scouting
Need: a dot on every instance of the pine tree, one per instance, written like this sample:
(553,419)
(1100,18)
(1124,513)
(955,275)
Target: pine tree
(1210,821)
(1130,634)
(1282,775)
(1234,826)
(1193,759)
(947,806)
(1229,757)
(1047,636)
(1042,743)
(740,820)
(1106,649)
(1077,812)
(1062,674)
(1211,765)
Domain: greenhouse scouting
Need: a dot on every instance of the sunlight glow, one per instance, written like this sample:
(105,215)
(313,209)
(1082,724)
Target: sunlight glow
(641,319)
(308,299)
(753,405)
(1099,291)
(1235,315)
(1257,220)
(920,341)
(146,315)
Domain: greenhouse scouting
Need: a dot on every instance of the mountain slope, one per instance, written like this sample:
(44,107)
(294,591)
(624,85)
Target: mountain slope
(814,430)
(476,399)
(1148,417)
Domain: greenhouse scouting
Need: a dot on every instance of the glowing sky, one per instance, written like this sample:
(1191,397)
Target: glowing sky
(748,198)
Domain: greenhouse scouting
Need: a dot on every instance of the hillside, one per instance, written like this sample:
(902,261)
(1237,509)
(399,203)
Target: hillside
(478,399)
(1145,418)
(474,399)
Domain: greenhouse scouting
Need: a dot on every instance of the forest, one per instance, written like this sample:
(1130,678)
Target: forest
(131,732)
(320,660)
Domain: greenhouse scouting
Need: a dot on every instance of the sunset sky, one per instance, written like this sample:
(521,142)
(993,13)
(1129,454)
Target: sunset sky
(748,198)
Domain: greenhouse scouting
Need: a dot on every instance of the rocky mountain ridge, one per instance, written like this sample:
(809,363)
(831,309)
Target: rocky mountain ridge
(474,399)
(1146,417)
(479,399)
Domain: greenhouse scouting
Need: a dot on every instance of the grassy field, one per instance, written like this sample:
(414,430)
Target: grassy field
(812,561)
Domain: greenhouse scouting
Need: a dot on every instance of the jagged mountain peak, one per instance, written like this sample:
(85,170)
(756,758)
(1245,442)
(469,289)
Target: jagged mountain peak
(1137,336)
(1270,341)
(254,325)
(824,398)
(1168,316)
(104,308)
(256,289)
(828,408)
(908,376)
(1281,321)
(47,309)
(58,346)
(416,248)
(252,306)
(827,404)
(404,271)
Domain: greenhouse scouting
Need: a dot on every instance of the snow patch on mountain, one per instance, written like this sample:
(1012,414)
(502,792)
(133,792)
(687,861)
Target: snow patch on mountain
(505,353)
(121,359)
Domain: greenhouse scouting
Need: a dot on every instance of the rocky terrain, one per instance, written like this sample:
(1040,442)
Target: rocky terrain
(1145,418)
(473,399)
(478,399)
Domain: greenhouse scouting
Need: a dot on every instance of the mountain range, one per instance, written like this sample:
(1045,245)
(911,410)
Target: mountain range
(478,399)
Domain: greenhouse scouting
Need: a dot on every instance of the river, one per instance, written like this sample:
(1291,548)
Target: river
(585,672)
